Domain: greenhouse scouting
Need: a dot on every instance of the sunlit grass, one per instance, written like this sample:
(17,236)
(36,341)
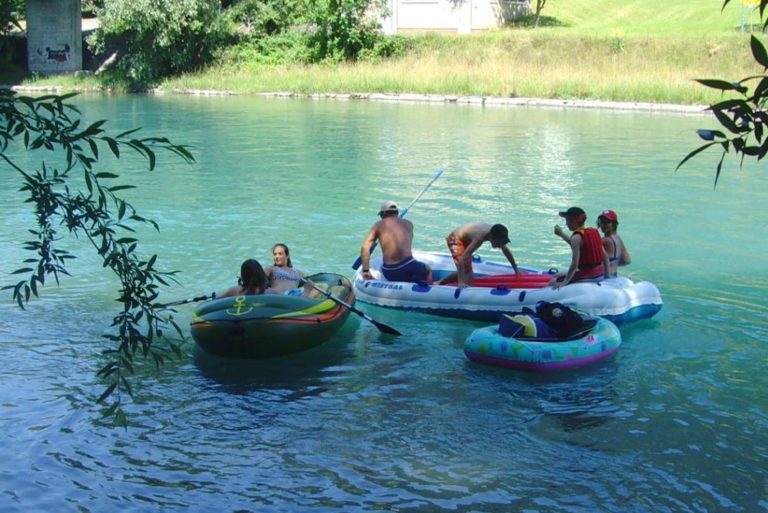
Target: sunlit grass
(514,64)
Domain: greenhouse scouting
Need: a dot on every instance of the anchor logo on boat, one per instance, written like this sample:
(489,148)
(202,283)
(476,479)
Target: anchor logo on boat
(241,307)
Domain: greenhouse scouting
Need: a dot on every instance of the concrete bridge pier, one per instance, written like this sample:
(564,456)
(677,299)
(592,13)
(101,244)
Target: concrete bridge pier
(54,36)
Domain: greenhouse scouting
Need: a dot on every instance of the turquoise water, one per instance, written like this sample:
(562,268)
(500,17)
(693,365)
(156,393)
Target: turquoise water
(676,422)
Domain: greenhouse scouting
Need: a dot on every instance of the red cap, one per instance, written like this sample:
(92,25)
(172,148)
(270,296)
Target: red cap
(609,215)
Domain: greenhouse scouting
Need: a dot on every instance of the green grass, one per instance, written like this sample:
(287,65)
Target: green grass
(621,50)
(647,18)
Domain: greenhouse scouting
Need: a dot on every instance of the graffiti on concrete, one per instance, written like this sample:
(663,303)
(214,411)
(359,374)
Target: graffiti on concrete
(55,54)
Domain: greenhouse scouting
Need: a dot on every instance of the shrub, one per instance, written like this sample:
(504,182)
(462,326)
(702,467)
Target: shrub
(157,38)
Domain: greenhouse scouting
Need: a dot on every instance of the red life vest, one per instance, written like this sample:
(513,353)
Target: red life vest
(591,254)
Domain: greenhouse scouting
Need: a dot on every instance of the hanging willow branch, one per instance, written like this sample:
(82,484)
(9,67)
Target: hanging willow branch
(70,197)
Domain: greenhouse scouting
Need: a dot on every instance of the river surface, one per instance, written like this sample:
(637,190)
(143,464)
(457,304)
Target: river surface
(676,422)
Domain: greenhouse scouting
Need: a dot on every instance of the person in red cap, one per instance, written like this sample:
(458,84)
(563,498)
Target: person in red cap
(608,222)
(589,260)
(395,236)
(465,240)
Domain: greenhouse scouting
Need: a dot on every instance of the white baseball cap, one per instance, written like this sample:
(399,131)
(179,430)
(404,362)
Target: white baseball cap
(388,206)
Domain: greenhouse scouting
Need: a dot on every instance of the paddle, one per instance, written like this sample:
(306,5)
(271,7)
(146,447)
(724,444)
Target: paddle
(190,300)
(359,261)
(380,325)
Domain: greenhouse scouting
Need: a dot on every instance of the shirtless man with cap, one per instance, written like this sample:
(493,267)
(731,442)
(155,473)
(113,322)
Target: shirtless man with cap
(395,235)
(465,240)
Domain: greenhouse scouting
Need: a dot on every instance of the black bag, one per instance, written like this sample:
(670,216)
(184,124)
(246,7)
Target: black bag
(561,318)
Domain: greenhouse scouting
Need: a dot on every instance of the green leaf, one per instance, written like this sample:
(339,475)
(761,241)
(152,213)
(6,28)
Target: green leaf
(719,169)
(126,133)
(94,148)
(694,153)
(107,392)
(120,418)
(709,135)
(152,160)
(108,369)
(113,146)
(726,122)
(116,188)
(94,129)
(109,411)
(758,52)
(715,83)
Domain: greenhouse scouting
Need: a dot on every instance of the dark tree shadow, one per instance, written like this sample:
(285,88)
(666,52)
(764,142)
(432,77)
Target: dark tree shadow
(528,22)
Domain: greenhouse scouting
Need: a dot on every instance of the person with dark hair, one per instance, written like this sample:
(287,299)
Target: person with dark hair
(589,261)
(618,255)
(395,236)
(465,240)
(282,277)
(252,280)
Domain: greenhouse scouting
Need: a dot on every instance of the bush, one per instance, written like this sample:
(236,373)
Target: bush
(283,48)
(157,38)
(387,47)
(265,17)
(345,28)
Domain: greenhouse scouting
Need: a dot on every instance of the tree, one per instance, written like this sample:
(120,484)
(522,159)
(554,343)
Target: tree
(10,13)
(266,17)
(537,11)
(344,27)
(157,38)
(68,195)
(743,117)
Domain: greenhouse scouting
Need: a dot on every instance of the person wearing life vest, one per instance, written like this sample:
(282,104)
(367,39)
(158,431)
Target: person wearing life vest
(589,260)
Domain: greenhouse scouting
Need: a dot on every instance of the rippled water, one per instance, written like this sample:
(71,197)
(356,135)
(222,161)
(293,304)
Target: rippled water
(676,422)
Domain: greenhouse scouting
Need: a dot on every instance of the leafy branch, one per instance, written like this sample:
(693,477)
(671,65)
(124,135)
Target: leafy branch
(744,118)
(89,207)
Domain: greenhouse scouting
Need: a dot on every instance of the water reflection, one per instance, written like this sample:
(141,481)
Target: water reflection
(298,375)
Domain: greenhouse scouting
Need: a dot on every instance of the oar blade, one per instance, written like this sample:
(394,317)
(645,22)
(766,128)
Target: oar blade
(384,328)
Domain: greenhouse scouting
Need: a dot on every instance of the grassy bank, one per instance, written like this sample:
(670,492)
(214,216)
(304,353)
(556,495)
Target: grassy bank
(632,50)
(513,63)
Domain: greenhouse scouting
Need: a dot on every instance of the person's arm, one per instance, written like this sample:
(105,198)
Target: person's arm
(464,265)
(508,253)
(234,291)
(365,251)
(607,244)
(269,272)
(576,251)
(560,233)
(625,258)
(606,265)
(469,250)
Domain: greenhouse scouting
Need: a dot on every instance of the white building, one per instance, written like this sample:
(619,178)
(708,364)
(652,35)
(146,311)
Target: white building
(451,16)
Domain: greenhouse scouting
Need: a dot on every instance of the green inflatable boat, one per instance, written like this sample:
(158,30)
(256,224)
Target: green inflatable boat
(267,325)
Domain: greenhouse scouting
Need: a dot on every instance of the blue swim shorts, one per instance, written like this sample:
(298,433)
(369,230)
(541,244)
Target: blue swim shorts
(406,270)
